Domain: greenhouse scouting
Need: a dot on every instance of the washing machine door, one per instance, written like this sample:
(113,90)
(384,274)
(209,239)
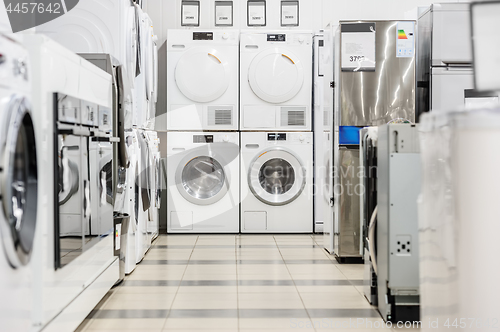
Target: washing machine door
(202,179)
(202,74)
(276,75)
(277,176)
(18,181)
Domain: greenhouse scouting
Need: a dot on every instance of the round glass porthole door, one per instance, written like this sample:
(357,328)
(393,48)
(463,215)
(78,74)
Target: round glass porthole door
(276,76)
(202,75)
(277,177)
(202,180)
(18,183)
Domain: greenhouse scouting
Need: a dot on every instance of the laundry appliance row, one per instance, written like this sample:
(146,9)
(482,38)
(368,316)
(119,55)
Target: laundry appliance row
(227,80)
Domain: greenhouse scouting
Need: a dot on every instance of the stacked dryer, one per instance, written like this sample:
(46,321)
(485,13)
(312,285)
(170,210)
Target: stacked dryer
(276,137)
(202,139)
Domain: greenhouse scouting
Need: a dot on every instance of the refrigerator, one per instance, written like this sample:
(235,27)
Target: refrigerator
(445,77)
(374,85)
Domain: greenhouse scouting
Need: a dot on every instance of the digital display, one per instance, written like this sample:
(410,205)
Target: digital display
(203,138)
(276,137)
(276,38)
(203,36)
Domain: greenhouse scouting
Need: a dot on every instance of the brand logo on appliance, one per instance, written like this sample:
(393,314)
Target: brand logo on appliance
(24,14)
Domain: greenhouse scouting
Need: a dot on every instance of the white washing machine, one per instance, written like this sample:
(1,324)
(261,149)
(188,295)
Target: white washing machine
(96,26)
(276,182)
(130,193)
(203,182)
(95,269)
(18,189)
(202,80)
(153,143)
(276,81)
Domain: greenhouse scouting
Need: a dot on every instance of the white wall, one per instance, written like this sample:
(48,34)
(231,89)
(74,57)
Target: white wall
(314,14)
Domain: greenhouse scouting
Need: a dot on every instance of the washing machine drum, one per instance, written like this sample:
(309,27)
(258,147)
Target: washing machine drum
(276,75)
(202,179)
(277,177)
(18,181)
(202,74)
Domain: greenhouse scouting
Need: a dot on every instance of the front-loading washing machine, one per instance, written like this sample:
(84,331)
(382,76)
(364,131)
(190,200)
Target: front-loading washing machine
(276,182)
(18,189)
(276,81)
(202,80)
(203,182)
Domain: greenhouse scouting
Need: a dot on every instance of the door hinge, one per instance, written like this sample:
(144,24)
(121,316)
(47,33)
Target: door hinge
(332,84)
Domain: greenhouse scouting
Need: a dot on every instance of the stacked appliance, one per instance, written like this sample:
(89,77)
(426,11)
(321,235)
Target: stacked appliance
(322,118)
(276,138)
(18,189)
(124,33)
(375,85)
(445,77)
(71,98)
(202,140)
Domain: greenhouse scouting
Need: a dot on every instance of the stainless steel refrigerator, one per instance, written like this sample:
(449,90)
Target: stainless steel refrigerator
(445,77)
(374,85)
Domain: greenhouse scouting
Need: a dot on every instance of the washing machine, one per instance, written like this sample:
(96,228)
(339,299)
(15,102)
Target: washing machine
(95,26)
(18,188)
(66,272)
(276,81)
(202,80)
(203,182)
(131,196)
(276,182)
(153,143)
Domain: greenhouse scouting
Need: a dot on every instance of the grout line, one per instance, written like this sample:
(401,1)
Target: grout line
(237,281)
(293,280)
(178,287)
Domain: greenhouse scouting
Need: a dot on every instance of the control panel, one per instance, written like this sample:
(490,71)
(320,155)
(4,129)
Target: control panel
(215,138)
(203,36)
(289,138)
(276,38)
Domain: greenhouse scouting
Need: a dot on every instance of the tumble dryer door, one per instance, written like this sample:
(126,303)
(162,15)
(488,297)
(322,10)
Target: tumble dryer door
(277,177)
(18,181)
(276,75)
(202,74)
(202,180)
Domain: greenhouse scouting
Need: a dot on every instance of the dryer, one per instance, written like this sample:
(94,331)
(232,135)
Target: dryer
(202,80)
(203,182)
(18,189)
(276,81)
(276,182)
(95,26)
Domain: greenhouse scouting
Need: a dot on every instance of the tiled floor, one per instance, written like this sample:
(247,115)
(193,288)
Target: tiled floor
(237,283)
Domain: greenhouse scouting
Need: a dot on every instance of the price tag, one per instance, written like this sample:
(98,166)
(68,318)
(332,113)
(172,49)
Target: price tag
(224,13)
(405,36)
(257,13)
(190,13)
(358,47)
(289,13)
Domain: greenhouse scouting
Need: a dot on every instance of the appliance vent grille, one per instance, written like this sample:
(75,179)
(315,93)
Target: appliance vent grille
(218,117)
(293,118)
(326,121)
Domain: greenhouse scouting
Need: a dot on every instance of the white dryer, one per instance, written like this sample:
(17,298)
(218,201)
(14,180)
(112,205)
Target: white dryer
(203,182)
(18,189)
(202,80)
(276,81)
(276,182)
(96,26)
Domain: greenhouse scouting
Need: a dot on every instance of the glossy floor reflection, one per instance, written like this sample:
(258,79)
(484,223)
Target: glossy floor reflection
(237,283)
